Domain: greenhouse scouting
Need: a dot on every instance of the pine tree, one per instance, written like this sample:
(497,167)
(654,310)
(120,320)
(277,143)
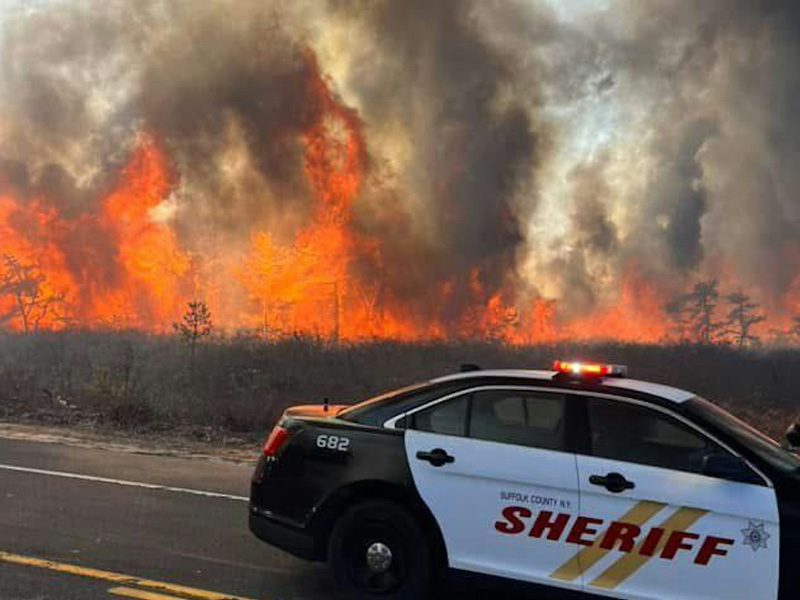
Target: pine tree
(195,325)
(702,310)
(741,318)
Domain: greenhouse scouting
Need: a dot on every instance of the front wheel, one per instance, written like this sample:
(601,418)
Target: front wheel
(378,550)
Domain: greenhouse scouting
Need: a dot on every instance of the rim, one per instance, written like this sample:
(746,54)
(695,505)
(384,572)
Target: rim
(356,545)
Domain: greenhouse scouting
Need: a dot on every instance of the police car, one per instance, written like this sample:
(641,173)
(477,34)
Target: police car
(578,479)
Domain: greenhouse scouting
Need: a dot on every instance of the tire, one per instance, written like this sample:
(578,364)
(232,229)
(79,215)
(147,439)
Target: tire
(377,525)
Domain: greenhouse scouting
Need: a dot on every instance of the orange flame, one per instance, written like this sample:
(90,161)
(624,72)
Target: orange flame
(122,266)
(116,267)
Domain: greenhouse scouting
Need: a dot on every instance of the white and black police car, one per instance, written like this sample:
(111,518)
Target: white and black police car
(576,479)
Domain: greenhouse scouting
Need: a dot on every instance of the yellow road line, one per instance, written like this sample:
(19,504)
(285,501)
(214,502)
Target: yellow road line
(626,566)
(140,594)
(58,567)
(584,560)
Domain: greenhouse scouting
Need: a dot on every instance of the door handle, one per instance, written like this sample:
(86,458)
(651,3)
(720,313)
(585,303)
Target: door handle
(613,482)
(437,457)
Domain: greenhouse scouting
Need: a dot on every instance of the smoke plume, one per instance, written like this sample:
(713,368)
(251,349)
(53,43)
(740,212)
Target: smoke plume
(476,159)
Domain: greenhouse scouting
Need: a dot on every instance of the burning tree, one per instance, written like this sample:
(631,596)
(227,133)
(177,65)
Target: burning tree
(537,321)
(267,276)
(369,294)
(741,318)
(194,325)
(702,310)
(31,301)
(497,321)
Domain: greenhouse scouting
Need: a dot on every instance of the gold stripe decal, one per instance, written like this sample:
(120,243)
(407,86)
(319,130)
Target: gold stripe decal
(584,560)
(626,566)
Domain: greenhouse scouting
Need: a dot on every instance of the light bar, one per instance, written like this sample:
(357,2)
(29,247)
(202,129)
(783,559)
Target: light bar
(582,369)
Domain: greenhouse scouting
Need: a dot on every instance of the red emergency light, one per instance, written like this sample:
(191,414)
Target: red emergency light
(581,370)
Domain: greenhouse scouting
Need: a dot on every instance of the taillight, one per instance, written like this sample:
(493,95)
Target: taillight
(276,440)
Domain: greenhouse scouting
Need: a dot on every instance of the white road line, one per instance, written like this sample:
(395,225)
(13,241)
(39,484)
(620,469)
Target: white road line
(148,486)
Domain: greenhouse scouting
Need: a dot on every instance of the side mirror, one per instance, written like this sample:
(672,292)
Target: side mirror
(729,467)
(793,436)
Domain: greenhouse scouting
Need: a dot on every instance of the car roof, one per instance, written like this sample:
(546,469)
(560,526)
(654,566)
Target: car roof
(664,392)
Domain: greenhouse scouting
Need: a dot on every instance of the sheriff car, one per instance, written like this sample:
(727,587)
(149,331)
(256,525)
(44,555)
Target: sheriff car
(578,478)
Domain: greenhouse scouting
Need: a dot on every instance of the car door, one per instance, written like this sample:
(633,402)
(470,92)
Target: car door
(663,524)
(495,467)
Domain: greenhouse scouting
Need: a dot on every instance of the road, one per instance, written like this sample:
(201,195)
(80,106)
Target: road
(79,523)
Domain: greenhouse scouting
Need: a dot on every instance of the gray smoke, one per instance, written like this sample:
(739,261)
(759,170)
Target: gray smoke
(727,191)
(427,70)
(515,147)
(229,98)
(81,79)
(692,105)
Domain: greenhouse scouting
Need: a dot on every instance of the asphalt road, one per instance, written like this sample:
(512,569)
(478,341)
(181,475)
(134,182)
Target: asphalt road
(98,535)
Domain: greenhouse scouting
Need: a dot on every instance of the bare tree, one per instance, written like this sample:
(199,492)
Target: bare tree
(741,319)
(194,326)
(702,310)
(369,294)
(32,302)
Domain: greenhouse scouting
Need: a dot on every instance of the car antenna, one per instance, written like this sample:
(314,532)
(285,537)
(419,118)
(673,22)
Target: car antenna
(326,404)
(469,367)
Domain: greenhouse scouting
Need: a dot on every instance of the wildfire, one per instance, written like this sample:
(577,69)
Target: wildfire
(119,266)
(637,316)
(115,267)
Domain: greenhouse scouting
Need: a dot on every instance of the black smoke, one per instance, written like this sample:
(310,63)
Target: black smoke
(430,71)
(227,97)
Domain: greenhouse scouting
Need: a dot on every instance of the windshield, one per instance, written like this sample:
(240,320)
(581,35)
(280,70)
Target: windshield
(763,446)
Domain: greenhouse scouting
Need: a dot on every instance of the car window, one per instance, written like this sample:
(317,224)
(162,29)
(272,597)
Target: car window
(518,417)
(632,433)
(379,409)
(755,441)
(446,418)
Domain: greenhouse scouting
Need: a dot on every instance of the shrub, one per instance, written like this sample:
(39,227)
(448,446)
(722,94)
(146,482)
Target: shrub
(242,384)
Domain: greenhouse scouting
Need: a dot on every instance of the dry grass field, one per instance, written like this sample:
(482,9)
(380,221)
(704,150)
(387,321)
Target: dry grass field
(238,386)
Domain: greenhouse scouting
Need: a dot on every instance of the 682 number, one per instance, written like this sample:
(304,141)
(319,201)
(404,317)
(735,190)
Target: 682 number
(333,442)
